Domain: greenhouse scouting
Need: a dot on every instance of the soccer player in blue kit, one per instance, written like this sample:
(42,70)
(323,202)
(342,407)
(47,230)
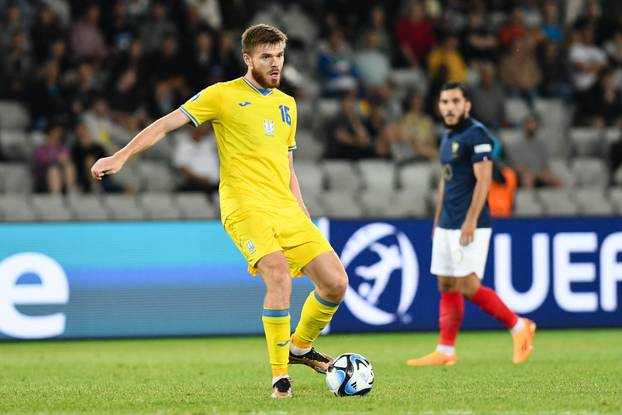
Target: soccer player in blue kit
(461,232)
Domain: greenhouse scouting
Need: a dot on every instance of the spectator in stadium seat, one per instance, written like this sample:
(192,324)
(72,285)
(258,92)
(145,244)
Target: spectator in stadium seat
(45,30)
(201,62)
(415,35)
(337,67)
(520,71)
(84,88)
(479,42)
(84,153)
(53,170)
(228,64)
(512,29)
(165,62)
(381,130)
(15,67)
(587,60)
(347,135)
(376,24)
(603,104)
(555,75)
(416,139)
(530,159)
(551,27)
(87,40)
(46,96)
(613,47)
(153,30)
(488,98)
(119,29)
(196,159)
(103,129)
(11,21)
(125,101)
(373,65)
(445,62)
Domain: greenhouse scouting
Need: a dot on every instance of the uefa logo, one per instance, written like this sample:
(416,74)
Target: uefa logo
(379,258)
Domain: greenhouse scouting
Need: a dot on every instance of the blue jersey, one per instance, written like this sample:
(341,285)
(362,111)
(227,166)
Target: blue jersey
(460,149)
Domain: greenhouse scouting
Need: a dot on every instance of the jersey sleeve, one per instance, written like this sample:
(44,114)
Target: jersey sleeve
(204,106)
(291,141)
(481,145)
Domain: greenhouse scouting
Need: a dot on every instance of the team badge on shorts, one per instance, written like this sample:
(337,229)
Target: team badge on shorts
(250,246)
(268,127)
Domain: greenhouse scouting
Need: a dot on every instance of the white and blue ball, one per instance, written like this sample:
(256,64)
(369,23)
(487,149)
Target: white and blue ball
(350,374)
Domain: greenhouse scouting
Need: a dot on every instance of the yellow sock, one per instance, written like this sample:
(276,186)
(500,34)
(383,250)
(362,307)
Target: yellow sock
(316,314)
(276,325)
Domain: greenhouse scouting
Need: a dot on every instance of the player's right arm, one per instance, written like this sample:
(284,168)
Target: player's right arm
(439,203)
(204,106)
(143,140)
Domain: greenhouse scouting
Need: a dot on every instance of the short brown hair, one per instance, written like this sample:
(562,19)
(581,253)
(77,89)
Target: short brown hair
(261,34)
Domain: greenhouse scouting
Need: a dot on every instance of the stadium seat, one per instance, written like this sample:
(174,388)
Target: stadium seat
(163,151)
(516,110)
(313,202)
(417,178)
(407,203)
(557,202)
(615,195)
(339,204)
(194,205)
(560,168)
(310,176)
(593,202)
(128,176)
(340,175)
(375,203)
(17,178)
(13,115)
(87,207)
(155,176)
(327,108)
(408,79)
(377,175)
(159,206)
(308,148)
(123,207)
(526,203)
(554,121)
(15,208)
(15,145)
(50,207)
(587,141)
(511,137)
(590,172)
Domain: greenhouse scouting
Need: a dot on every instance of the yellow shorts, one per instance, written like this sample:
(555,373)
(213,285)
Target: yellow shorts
(258,233)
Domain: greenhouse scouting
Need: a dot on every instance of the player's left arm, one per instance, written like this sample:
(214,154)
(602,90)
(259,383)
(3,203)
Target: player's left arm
(294,186)
(483,177)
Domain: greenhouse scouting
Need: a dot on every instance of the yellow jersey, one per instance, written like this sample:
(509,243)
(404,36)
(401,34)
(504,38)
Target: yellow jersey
(255,130)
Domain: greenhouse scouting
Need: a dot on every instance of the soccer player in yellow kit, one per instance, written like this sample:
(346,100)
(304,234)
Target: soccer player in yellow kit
(261,205)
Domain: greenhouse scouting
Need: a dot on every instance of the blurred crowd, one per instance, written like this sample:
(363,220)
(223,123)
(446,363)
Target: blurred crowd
(93,73)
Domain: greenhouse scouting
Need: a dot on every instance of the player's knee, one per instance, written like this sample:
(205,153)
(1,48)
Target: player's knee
(447,285)
(335,289)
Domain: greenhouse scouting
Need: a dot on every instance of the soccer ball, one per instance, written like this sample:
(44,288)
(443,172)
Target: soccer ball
(350,374)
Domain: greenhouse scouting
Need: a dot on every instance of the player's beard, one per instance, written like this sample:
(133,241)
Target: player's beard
(264,80)
(457,125)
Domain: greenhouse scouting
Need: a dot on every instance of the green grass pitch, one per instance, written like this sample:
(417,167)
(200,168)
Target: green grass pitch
(571,372)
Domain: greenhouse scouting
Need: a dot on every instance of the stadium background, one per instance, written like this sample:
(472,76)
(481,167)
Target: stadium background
(144,254)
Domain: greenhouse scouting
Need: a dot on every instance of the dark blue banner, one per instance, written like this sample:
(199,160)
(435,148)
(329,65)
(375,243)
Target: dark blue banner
(558,272)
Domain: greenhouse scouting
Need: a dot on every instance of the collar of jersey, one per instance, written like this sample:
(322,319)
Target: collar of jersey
(264,92)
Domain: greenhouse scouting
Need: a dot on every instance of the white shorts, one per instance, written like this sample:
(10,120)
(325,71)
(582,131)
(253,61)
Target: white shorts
(450,259)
